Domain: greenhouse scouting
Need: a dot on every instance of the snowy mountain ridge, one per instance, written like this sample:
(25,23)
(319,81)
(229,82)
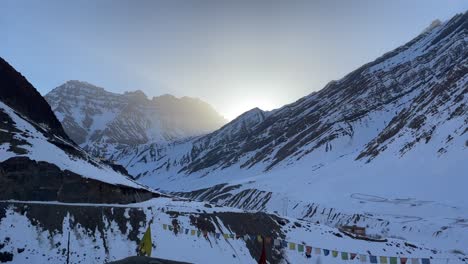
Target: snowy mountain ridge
(384,144)
(413,92)
(101,121)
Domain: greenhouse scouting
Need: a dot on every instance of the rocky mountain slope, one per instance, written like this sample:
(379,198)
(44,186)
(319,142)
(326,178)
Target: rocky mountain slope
(101,121)
(39,162)
(402,100)
(58,205)
(387,143)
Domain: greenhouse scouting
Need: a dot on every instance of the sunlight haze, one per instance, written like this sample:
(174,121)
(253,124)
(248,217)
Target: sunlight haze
(235,55)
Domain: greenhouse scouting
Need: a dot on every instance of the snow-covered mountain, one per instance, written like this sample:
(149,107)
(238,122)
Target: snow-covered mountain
(39,162)
(101,121)
(412,97)
(60,205)
(387,142)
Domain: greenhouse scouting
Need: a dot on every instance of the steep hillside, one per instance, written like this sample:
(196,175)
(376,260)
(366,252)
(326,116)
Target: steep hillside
(39,162)
(101,121)
(402,100)
(386,143)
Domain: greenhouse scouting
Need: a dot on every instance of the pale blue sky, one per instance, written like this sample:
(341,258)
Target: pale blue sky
(233,54)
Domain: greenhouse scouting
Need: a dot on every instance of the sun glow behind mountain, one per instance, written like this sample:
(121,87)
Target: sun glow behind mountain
(234,55)
(253,99)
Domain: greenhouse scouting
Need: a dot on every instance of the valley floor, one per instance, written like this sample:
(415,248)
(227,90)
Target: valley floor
(183,230)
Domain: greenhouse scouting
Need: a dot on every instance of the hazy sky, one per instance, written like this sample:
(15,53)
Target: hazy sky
(235,55)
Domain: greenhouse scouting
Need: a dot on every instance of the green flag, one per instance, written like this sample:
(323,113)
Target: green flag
(145,247)
(344,255)
(300,248)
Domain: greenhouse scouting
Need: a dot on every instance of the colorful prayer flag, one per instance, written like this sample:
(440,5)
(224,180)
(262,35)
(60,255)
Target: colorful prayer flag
(164,226)
(267,240)
(259,238)
(403,260)
(145,247)
(344,255)
(326,252)
(277,242)
(334,253)
(393,260)
(383,260)
(414,261)
(170,228)
(308,251)
(198,233)
(218,235)
(363,258)
(192,232)
(284,243)
(292,246)
(300,247)
(373,259)
(226,236)
(425,261)
(262,259)
(186,231)
(317,251)
(352,255)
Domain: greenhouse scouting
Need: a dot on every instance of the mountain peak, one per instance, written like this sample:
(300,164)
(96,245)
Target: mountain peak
(433,25)
(95,118)
(138,95)
(76,87)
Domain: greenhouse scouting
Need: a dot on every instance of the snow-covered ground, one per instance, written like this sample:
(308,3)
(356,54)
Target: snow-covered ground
(108,242)
(39,148)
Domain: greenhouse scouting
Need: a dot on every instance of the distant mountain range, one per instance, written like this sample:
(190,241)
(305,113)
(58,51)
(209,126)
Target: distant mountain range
(101,121)
(38,161)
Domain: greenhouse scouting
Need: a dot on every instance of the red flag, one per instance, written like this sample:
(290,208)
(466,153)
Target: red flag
(262,259)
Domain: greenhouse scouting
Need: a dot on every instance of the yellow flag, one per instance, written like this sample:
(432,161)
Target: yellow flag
(145,247)
(292,246)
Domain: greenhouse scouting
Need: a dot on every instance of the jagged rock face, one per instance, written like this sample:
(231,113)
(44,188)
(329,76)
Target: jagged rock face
(39,162)
(16,91)
(100,121)
(398,100)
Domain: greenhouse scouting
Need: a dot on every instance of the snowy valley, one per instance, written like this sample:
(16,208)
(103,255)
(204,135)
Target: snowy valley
(84,172)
